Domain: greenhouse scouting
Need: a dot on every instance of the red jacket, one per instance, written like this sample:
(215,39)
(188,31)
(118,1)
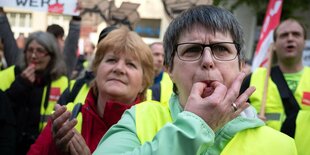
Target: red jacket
(93,126)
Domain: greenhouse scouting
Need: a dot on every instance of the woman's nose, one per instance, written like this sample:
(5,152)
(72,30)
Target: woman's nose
(207,60)
(33,55)
(119,67)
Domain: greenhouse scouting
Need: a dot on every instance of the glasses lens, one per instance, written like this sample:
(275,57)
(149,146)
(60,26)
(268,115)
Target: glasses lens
(39,52)
(189,52)
(224,51)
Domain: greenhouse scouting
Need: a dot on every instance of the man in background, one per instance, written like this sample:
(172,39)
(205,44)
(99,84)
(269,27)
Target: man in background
(162,87)
(287,104)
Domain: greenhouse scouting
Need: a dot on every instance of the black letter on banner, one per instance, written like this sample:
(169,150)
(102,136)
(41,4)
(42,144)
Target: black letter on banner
(23,2)
(32,3)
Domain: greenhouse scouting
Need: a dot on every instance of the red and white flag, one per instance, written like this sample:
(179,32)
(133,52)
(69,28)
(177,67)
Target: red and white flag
(271,21)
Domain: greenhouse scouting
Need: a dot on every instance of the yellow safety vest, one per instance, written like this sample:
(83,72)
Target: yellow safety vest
(80,98)
(7,77)
(166,89)
(260,140)
(275,110)
(79,118)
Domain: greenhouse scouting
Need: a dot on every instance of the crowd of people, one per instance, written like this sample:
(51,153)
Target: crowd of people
(192,93)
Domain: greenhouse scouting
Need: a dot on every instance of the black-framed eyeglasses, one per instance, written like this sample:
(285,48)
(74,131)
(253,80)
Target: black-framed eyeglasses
(222,51)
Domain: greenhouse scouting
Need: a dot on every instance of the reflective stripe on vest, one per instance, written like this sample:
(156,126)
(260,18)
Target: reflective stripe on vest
(302,136)
(274,109)
(274,103)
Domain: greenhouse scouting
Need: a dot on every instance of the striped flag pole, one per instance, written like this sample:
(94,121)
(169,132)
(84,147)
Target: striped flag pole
(264,50)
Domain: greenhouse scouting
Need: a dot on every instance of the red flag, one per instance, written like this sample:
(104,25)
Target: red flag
(271,21)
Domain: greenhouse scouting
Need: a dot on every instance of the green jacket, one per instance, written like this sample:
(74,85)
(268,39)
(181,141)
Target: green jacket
(189,134)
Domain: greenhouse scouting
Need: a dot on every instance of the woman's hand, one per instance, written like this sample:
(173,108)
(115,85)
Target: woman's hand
(218,108)
(29,73)
(78,145)
(62,128)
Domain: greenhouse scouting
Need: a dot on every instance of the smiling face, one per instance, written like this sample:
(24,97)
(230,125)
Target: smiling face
(289,42)
(207,69)
(119,77)
(36,54)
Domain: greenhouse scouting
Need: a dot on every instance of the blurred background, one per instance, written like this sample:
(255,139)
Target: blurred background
(150,18)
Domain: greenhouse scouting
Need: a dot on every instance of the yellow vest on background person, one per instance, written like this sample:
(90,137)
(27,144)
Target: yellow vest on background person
(81,94)
(7,77)
(166,89)
(70,106)
(79,98)
(274,108)
(249,141)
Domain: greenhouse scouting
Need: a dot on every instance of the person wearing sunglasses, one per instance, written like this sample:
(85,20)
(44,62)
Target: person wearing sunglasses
(206,114)
(34,86)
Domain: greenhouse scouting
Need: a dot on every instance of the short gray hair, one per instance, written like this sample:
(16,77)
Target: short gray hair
(211,17)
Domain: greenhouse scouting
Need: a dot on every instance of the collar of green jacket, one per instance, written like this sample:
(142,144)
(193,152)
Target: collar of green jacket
(246,120)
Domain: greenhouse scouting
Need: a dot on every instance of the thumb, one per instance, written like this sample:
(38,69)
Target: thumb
(198,88)
(57,106)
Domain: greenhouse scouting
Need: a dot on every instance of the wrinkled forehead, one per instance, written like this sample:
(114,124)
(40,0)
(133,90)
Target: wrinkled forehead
(203,33)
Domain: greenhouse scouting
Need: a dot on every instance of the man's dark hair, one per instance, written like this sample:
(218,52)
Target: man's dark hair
(56,30)
(105,32)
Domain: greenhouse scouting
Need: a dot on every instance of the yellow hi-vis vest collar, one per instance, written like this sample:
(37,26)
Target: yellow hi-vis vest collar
(61,84)
(151,116)
(7,77)
(80,98)
(166,89)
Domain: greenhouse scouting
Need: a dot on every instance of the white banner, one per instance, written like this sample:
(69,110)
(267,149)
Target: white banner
(306,54)
(67,7)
